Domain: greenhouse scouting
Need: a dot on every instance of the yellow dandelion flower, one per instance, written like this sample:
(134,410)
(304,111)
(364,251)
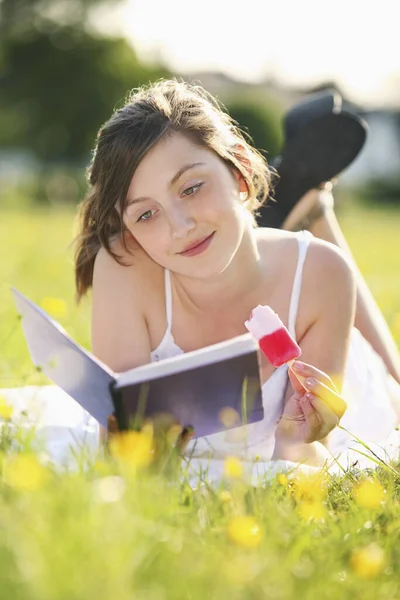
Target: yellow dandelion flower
(56,307)
(282,479)
(244,531)
(6,410)
(133,448)
(369,561)
(229,417)
(369,493)
(24,472)
(310,487)
(314,511)
(233,468)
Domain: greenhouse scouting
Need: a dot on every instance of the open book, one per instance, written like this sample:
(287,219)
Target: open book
(198,389)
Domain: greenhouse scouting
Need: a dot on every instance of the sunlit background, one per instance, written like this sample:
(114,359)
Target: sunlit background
(286,43)
(65,64)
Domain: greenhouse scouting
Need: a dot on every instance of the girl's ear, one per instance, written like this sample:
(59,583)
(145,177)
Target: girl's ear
(242,183)
(241,154)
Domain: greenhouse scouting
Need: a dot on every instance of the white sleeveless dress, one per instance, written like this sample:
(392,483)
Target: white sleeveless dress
(368,389)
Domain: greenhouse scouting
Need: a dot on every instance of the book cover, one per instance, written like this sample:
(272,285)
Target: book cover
(211,389)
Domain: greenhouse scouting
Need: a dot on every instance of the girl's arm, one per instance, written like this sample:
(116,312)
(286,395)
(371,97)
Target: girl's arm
(119,333)
(328,301)
(326,317)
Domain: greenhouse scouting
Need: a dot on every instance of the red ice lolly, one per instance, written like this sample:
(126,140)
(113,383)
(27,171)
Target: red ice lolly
(273,338)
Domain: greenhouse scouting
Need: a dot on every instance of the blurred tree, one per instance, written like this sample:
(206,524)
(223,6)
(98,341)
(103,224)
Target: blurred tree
(260,119)
(22,17)
(383,190)
(59,79)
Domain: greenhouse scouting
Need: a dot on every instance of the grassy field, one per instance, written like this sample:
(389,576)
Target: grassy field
(129,527)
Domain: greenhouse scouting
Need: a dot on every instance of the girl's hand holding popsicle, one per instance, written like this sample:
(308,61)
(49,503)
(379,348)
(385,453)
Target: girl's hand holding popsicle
(309,414)
(315,407)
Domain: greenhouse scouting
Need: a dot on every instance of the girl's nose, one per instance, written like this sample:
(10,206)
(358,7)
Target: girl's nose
(181,222)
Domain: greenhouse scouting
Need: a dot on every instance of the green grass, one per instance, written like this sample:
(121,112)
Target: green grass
(105,532)
(373,235)
(37,259)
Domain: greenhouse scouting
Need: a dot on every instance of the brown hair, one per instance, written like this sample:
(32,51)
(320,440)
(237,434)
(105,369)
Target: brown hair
(148,114)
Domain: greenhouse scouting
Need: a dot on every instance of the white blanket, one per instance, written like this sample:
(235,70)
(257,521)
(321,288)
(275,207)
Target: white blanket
(62,427)
(66,430)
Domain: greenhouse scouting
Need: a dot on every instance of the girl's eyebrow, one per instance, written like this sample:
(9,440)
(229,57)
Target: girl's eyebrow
(182,170)
(175,178)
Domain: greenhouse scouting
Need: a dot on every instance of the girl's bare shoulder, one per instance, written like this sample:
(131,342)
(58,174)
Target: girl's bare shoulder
(327,276)
(323,260)
(328,263)
(278,248)
(268,236)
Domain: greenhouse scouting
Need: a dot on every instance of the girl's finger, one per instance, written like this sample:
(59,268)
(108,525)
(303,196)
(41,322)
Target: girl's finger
(328,419)
(319,425)
(297,384)
(312,418)
(303,370)
(325,393)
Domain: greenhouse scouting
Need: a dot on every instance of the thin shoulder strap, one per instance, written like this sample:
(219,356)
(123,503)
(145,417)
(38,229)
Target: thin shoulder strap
(168,298)
(303,238)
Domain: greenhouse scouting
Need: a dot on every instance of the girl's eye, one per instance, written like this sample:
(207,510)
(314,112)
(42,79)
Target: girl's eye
(147,215)
(192,189)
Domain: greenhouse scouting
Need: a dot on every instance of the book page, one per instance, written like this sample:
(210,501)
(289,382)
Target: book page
(86,379)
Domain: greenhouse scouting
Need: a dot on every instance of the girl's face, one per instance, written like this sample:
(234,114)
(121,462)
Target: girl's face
(184,208)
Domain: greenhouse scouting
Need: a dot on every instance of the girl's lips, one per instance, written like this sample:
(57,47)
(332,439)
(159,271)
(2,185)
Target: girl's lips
(199,247)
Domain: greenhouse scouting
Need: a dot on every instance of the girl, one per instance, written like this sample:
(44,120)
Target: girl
(169,245)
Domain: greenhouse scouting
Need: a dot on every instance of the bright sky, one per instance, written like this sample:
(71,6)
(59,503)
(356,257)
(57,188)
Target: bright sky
(355,43)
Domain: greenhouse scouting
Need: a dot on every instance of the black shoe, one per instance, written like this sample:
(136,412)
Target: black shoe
(321,141)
